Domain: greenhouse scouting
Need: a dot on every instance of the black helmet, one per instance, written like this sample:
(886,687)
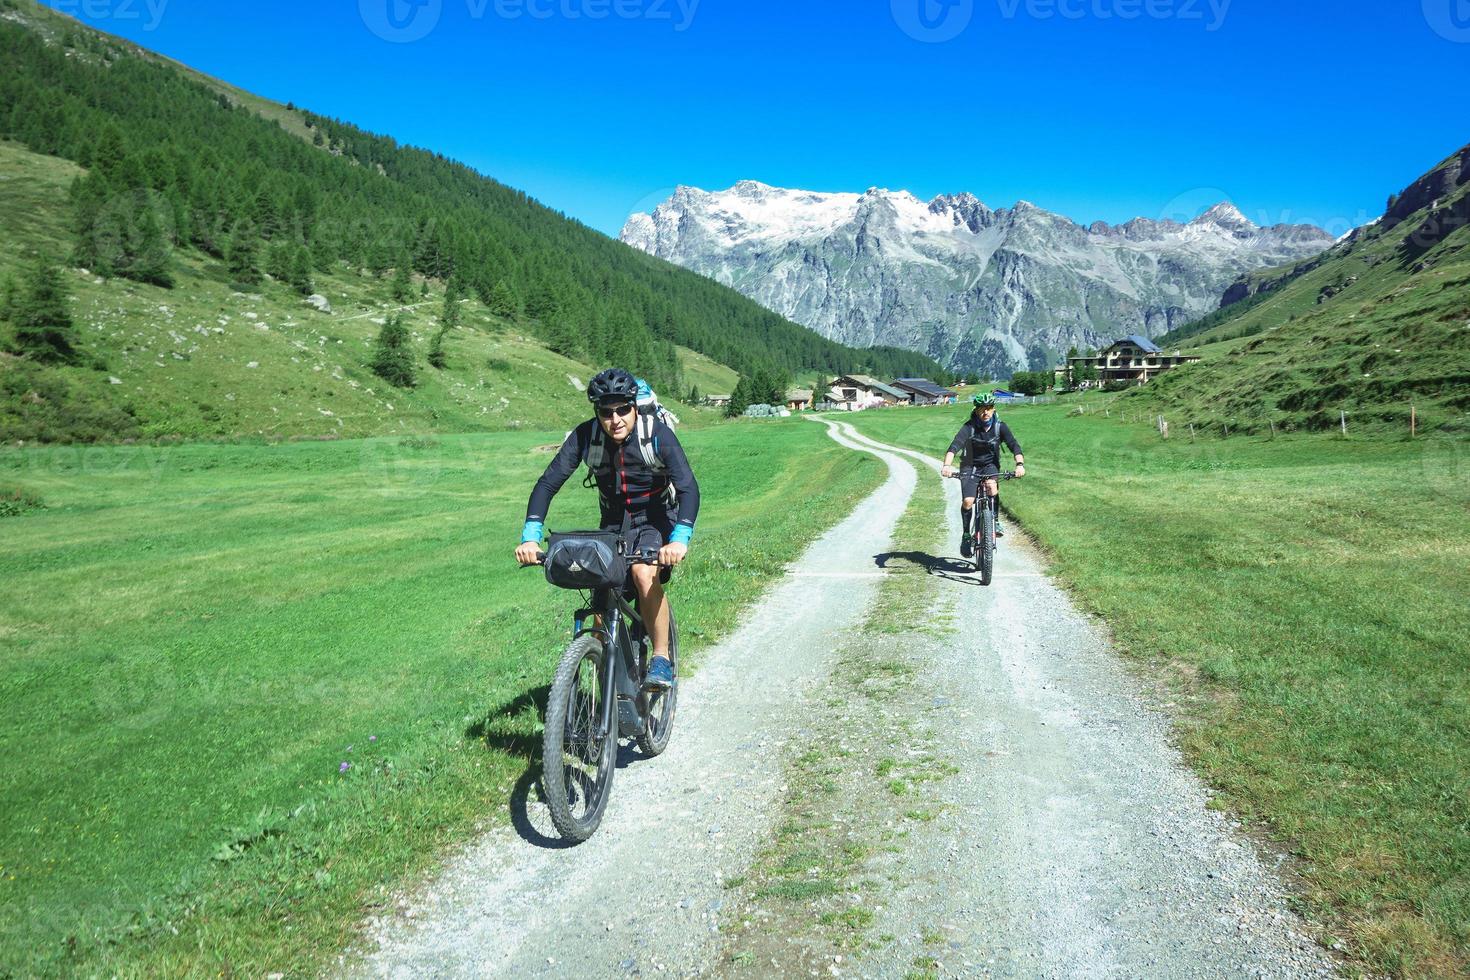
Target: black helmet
(612,385)
(984,400)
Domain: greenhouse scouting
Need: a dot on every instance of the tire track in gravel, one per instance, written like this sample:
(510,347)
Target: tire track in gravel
(643,893)
(1074,840)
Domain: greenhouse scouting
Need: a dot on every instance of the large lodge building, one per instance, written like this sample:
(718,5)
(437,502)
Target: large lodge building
(1133,358)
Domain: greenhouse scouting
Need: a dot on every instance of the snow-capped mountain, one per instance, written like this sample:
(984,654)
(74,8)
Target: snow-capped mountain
(989,291)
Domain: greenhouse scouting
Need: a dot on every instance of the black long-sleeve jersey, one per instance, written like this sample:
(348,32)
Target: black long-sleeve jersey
(626,483)
(980,444)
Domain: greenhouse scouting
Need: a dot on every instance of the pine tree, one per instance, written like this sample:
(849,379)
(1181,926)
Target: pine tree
(543,301)
(449,315)
(148,249)
(503,302)
(402,282)
(243,257)
(278,261)
(436,357)
(560,334)
(393,356)
(739,398)
(8,295)
(301,272)
(42,321)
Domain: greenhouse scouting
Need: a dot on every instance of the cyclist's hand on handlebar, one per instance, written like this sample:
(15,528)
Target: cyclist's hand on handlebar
(671,554)
(947,471)
(528,553)
(1020,470)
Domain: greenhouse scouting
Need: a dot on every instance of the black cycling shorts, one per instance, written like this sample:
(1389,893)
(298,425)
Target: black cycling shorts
(970,481)
(647,536)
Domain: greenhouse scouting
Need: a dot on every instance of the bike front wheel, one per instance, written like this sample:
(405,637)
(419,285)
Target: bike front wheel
(985,547)
(579,754)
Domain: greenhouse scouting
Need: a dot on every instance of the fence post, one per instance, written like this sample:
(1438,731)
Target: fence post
(1343,417)
(1413,420)
(1191,432)
(1272,424)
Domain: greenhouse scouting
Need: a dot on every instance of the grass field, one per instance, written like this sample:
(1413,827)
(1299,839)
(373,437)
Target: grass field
(1304,601)
(248,688)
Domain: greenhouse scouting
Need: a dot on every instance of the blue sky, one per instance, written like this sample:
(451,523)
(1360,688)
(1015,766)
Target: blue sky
(1297,111)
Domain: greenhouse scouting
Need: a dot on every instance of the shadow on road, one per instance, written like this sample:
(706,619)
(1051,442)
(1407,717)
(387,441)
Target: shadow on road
(953,569)
(515,729)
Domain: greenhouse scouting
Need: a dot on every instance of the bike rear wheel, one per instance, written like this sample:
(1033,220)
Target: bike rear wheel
(659,722)
(579,755)
(985,547)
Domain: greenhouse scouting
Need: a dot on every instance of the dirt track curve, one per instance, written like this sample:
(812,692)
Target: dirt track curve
(1073,841)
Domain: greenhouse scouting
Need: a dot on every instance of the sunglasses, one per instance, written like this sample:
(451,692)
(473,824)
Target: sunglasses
(607,413)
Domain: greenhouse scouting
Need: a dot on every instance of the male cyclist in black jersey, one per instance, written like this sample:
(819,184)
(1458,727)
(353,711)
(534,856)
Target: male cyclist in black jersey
(979,441)
(647,492)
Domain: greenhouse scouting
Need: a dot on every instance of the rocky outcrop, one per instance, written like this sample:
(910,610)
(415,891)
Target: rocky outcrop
(1440,183)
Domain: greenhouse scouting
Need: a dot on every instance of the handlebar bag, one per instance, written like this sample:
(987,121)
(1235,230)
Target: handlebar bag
(586,560)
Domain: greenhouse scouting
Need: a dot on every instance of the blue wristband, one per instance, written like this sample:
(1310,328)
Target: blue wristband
(681,534)
(532,532)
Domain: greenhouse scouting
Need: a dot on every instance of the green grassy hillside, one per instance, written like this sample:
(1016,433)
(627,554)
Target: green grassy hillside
(1376,325)
(203,359)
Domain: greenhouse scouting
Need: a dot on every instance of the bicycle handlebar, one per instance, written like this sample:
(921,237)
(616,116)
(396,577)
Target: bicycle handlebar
(1008,475)
(645,556)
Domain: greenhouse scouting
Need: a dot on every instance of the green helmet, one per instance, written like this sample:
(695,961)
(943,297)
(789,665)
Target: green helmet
(984,400)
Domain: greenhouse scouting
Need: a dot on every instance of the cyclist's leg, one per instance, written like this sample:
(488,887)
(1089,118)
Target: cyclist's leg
(653,606)
(988,490)
(968,486)
(649,580)
(991,491)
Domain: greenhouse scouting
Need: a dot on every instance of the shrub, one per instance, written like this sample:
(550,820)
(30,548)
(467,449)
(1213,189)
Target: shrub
(393,358)
(13,503)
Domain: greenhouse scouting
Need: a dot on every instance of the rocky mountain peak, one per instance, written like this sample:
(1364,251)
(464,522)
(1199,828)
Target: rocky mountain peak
(979,290)
(1225,215)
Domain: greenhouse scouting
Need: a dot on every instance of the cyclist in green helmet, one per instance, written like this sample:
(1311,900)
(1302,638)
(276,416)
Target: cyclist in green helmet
(979,441)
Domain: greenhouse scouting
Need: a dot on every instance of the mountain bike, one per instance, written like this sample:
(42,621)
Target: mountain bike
(596,699)
(982,527)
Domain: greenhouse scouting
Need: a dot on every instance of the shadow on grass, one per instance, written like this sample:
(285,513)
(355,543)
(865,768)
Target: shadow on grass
(504,729)
(509,729)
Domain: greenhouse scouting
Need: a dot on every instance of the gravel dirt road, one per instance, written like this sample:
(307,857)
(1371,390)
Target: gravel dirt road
(1070,841)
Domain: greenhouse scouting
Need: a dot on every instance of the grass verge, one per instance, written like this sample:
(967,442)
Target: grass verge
(1305,598)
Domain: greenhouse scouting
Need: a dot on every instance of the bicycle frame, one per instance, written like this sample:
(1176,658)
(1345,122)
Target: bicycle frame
(619,681)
